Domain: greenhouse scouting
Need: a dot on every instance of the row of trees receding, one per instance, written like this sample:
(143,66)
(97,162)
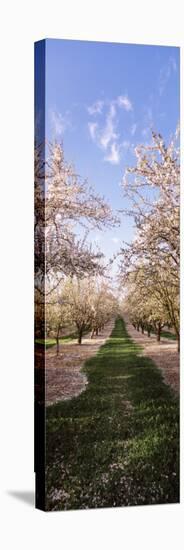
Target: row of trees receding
(70,276)
(85,304)
(149,267)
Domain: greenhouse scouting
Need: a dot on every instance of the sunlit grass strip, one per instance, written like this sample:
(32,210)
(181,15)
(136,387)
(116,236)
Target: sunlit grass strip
(118,442)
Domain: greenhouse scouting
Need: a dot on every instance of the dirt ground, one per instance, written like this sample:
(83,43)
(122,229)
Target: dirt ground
(163,353)
(64,378)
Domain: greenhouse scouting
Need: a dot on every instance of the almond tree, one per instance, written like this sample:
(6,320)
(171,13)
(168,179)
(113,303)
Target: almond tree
(57,315)
(80,309)
(62,205)
(153,189)
(104,306)
(91,304)
(143,304)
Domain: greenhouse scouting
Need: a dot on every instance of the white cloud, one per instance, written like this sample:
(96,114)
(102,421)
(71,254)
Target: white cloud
(93,126)
(59,122)
(147,121)
(124,101)
(173,64)
(133,129)
(96,108)
(108,133)
(104,132)
(166,73)
(149,115)
(116,150)
(114,155)
(125,144)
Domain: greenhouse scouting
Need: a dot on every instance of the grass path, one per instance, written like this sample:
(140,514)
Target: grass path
(117,443)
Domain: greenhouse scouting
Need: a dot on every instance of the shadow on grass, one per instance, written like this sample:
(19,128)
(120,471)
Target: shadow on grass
(118,442)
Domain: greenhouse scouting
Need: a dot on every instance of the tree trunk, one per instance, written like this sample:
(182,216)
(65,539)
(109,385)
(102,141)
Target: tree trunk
(149,332)
(57,343)
(178,341)
(97,332)
(158,333)
(138,327)
(142,329)
(80,337)
(92,333)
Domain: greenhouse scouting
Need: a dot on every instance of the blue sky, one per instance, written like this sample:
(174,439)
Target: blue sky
(102,100)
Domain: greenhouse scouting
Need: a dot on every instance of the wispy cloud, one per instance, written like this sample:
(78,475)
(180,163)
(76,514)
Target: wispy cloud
(133,129)
(125,144)
(147,121)
(116,151)
(165,74)
(124,101)
(93,126)
(114,155)
(149,114)
(173,63)
(104,133)
(96,108)
(108,133)
(59,123)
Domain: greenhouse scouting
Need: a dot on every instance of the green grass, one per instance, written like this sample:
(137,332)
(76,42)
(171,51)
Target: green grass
(50,342)
(167,334)
(117,443)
